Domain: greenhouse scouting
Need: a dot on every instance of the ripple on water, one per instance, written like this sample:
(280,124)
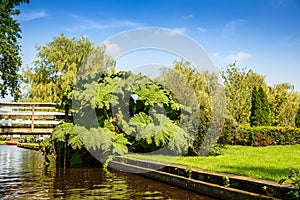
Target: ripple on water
(23,176)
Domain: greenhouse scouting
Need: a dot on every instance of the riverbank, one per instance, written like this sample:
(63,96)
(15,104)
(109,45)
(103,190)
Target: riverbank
(218,185)
(31,146)
(268,163)
(239,172)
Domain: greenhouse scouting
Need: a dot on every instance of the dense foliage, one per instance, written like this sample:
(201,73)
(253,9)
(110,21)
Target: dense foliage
(283,104)
(54,73)
(297,118)
(74,146)
(261,136)
(202,92)
(109,120)
(149,122)
(260,110)
(10,60)
(239,83)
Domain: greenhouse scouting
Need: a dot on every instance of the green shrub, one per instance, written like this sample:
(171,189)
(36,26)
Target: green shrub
(261,136)
(228,134)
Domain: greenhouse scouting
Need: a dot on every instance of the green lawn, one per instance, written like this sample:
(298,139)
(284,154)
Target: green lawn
(31,144)
(271,163)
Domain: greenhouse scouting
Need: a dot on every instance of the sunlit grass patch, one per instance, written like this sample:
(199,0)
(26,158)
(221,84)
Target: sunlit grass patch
(271,162)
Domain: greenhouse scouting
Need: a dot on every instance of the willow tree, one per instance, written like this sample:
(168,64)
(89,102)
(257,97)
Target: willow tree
(54,73)
(10,60)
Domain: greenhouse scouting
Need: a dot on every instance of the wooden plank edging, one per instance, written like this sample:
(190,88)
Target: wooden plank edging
(246,184)
(201,187)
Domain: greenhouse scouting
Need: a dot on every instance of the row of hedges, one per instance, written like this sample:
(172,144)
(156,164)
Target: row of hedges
(260,136)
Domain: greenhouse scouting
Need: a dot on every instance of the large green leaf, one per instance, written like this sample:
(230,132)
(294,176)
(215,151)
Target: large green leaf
(109,125)
(143,127)
(152,94)
(75,142)
(61,132)
(141,119)
(104,96)
(97,138)
(159,131)
(123,124)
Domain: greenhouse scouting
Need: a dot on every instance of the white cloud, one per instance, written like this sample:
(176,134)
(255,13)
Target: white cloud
(201,29)
(232,26)
(112,49)
(241,55)
(28,16)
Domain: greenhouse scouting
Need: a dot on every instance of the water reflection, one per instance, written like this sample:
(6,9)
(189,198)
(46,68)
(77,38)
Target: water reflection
(23,176)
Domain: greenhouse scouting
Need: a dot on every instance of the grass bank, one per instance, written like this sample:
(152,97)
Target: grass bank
(270,163)
(31,144)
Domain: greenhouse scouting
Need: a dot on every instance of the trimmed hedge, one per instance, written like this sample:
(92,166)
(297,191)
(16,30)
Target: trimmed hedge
(261,136)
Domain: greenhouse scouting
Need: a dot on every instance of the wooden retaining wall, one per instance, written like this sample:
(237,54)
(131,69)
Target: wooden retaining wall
(204,182)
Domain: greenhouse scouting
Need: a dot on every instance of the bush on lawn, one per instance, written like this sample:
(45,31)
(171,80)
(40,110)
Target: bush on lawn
(261,136)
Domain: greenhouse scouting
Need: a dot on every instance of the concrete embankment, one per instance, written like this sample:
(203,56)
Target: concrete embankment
(28,146)
(218,185)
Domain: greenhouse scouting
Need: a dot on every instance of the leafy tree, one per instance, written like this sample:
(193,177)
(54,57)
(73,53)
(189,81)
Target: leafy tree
(187,84)
(10,60)
(265,107)
(58,64)
(238,87)
(297,118)
(283,104)
(260,110)
(202,92)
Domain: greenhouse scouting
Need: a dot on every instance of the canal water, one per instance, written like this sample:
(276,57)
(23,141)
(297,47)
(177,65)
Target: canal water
(23,176)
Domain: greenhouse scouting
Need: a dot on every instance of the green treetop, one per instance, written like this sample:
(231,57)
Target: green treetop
(59,63)
(10,60)
(260,110)
(239,83)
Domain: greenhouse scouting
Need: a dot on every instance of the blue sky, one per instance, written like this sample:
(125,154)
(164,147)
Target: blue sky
(263,35)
